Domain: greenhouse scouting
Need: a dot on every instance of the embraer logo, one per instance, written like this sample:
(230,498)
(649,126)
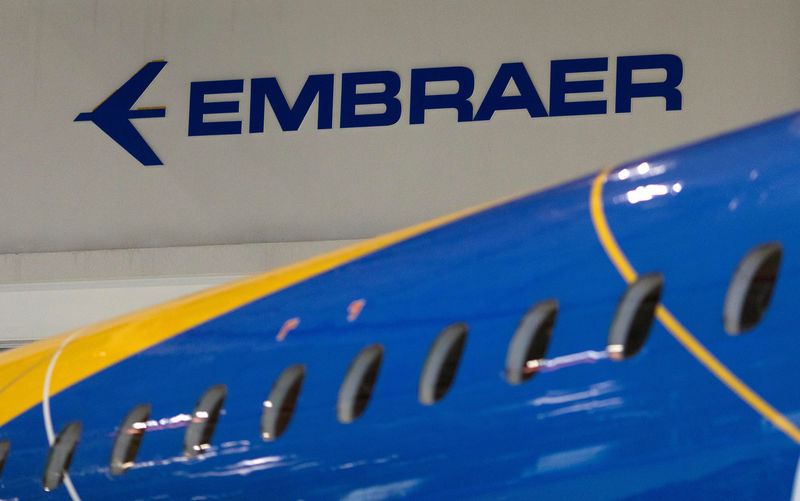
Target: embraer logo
(114,114)
(583,86)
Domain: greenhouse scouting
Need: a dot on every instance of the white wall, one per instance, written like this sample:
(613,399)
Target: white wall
(37,310)
(67,186)
(48,293)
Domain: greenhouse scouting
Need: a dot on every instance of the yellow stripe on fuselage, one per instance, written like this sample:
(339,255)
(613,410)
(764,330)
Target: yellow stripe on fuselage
(673,326)
(22,370)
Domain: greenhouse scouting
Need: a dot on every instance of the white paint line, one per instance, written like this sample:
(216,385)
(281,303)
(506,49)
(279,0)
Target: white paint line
(796,486)
(48,421)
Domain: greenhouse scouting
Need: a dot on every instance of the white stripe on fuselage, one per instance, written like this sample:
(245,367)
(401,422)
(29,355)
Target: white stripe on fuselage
(48,421)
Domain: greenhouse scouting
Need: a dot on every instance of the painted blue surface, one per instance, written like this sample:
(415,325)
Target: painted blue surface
(656,426)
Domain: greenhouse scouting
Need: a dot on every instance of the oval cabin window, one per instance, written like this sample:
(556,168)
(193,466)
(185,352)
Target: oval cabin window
(634,316)
(441,363)
(751,287)
(356,389)
(129,438)
(60,456)
(528,346)
(5,446)
(204,421)
(279,406)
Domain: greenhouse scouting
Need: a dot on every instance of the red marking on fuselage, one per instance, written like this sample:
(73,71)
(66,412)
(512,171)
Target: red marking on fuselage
(288,325)
(354,309)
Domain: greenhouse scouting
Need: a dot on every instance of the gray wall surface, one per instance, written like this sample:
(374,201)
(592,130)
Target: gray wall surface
(67,186)
(47,293)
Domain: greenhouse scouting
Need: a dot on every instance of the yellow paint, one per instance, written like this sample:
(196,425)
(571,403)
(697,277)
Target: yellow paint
(95,348)
(607,239)
(152,108)
(673,326)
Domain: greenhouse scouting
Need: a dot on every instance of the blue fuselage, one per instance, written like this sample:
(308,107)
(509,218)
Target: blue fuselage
(655,426)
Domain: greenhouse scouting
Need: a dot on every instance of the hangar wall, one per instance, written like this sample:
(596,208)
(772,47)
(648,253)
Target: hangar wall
(70,187)
(46,293)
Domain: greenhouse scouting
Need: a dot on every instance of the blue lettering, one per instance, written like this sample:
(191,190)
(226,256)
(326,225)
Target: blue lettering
(386,87)
(351,98)
(668,89)
(290,117)
(198,107)
(560,87)
(420,101)
(527,99)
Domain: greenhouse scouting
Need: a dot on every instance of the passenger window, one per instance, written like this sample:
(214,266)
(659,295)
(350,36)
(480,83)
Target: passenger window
(204,421)
(279,406)
(356,389)
(528,346)
(60,456)
(441,364)
(5,445)
(634,316)
(129,438)
(751,288)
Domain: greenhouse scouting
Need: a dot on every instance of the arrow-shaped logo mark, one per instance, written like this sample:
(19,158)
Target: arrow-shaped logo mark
(114,114)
